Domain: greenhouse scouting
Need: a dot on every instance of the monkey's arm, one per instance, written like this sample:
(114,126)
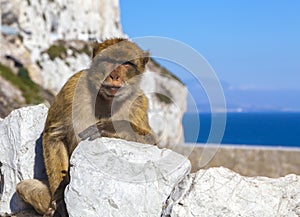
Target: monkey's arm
(139,121)
(108,128)
(118,129)
(100,129)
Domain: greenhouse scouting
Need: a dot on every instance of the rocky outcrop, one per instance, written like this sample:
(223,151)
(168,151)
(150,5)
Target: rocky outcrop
(221,192)
(21,153)
(133,168)
(119,178)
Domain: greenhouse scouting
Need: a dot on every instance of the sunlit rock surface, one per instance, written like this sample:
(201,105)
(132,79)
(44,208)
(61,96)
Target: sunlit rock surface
(112,177)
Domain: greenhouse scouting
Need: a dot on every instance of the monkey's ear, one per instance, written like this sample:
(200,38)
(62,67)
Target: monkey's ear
(96,48)
(146,57)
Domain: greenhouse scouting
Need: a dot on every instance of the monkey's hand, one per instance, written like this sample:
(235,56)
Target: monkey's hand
(121,129)
(90,133)
(100,129)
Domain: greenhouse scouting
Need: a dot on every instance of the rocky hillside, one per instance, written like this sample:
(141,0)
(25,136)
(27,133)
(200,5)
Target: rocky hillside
(44,42)
(50,38)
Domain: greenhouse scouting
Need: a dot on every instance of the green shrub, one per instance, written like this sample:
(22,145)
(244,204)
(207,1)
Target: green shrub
(57,51)
(22,81)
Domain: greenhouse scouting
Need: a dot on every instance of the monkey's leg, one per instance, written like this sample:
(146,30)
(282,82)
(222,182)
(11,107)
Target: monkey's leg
(57,167)
(36,193)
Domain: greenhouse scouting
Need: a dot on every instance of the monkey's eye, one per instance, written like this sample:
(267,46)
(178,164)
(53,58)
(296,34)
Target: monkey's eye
(130,64)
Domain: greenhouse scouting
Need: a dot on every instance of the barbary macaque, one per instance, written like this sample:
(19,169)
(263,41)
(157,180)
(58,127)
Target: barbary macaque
(102,101)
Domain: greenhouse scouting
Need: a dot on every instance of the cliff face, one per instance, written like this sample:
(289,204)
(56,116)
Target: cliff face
(44,42)
(41,22)
(31,31)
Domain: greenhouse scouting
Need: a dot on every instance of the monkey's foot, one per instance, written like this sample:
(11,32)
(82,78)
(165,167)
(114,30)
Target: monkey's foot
(57,209)
(51,210)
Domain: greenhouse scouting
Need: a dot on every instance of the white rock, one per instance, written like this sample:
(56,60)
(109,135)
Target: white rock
(111,177)
(42,22)
(21,153)
(221,192)
(55,73)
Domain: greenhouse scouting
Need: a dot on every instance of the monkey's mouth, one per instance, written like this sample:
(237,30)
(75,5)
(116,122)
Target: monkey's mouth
(111,90)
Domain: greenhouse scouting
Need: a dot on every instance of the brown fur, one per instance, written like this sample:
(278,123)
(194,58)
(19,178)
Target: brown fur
(88,107)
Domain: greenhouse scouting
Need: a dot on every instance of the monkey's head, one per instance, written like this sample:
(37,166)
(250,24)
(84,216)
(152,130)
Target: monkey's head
(116,67)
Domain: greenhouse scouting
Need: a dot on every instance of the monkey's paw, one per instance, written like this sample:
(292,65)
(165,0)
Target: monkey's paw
(96,131)
(50,212)
(57,210)
(90,133)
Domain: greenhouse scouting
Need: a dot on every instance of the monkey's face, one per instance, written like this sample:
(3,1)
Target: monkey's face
(116,68)
(117,83)
(121,80)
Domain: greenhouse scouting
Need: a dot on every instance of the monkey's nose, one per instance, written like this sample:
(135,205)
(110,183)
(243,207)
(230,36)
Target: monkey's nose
(114,75)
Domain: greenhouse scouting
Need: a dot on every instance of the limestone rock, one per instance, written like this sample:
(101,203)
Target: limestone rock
(38,24)
(56,72)
(111,177)
(221,192)
(42,22)
(21,153)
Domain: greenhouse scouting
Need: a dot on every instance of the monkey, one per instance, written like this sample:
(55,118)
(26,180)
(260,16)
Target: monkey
(102,101)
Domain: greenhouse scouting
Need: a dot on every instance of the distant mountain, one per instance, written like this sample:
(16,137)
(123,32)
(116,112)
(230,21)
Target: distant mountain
(262,99)
(244,99)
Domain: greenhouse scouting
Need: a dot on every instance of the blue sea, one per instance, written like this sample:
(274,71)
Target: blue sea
(265,129)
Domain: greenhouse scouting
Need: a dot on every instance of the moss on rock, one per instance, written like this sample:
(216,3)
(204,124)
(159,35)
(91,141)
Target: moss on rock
(22,81)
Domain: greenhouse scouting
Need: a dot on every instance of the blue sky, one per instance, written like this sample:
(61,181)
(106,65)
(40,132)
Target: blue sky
(251,44)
